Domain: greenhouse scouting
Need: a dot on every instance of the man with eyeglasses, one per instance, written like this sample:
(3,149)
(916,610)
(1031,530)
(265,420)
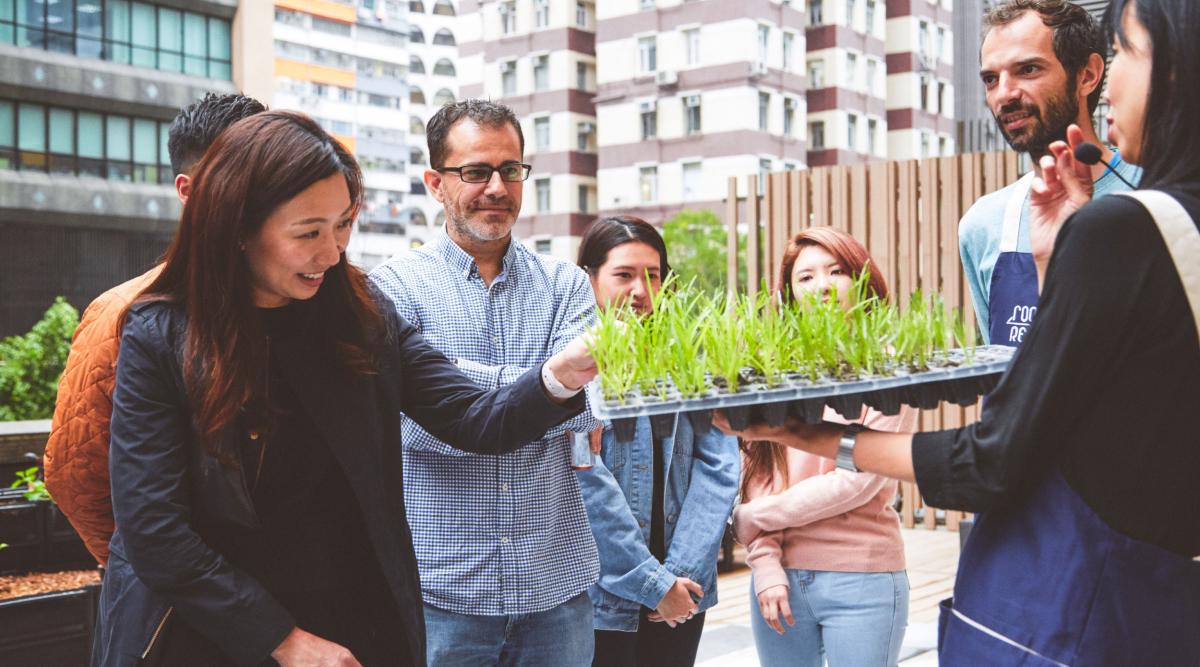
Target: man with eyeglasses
(503,544)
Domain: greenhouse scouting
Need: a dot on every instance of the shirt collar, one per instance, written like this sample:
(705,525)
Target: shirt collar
(462,262)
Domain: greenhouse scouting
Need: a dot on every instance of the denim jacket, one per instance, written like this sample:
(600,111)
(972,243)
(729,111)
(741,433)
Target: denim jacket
(701,483)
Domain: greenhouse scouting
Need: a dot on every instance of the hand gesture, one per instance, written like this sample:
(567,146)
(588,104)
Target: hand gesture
(677,606)
(1065,186)
(304,649)
(574,365)
(819,439)
(774,607)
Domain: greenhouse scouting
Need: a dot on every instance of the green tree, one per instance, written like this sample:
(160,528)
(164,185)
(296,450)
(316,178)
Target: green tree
(30,365)
(696,242)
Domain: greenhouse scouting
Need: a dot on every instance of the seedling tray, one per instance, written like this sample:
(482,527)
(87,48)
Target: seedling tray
(950,378)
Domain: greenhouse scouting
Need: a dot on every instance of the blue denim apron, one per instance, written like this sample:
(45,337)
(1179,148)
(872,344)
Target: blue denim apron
(1013,295)
(1045,581)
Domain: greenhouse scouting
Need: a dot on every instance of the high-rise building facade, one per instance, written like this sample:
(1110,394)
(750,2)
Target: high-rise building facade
(346,64)
(539,57)
(87,91)
(920,78)
(691,93)
(433,81)
(847,81)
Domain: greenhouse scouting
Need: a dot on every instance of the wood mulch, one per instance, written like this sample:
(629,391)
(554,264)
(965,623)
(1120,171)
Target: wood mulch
(45,582)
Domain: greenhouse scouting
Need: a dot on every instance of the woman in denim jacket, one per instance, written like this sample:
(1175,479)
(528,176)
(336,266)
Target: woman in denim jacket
(657,509)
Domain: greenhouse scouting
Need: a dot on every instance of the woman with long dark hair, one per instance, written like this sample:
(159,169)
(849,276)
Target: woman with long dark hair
(1083,465)
(657,507)
(824,544)
(256,458)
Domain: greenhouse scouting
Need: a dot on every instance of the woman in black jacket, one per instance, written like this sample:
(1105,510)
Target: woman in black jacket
(256,458)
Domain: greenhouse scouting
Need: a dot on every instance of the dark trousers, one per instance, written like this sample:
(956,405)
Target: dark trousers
(653,645)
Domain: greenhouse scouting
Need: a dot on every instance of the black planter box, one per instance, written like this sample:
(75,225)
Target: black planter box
(39,537)
(49,630)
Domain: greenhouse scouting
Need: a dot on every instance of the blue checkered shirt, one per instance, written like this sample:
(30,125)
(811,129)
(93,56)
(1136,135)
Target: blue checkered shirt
(494,535)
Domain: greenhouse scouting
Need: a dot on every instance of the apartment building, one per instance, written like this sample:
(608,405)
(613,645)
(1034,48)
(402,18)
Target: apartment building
(346,64)
(847,81)
(920,78)
(539,57)
(433,81)
(87,91)
(692,93)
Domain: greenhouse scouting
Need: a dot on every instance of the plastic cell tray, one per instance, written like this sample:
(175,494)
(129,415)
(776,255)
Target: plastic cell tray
(952,379)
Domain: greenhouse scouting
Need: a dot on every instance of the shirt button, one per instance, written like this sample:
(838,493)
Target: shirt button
(503,540)
(504,487)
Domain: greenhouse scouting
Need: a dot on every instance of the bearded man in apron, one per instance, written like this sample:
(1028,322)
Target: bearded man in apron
(1042,65)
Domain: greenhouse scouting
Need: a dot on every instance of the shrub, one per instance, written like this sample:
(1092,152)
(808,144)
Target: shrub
(31,365)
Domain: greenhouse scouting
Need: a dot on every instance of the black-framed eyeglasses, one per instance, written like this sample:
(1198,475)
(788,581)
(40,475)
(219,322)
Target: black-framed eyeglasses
(511,172)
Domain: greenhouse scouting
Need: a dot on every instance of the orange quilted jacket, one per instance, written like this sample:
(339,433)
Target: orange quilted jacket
(76,461)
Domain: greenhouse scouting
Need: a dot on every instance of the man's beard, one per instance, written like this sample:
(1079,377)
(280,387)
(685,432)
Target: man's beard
(458,220)
(1050,124)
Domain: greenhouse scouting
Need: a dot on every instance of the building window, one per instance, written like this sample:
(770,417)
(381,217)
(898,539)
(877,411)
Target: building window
(443,8)
(508,17)
(581,76)
(541,13)
(764,42)
(816,135)
(443,97)
(924,101)
(582,10)
(648,184)
(789,116)
(941,97)
(542,246)
(416,6)
(35,137)
(923,38)
(939,47)
(585,136)
(789,47)
(852,132)
(444,37)
(816,73)
(130,33)
(416,125)
(872,130)
(416,65)
(646,4)
(416,95)
(924,144)
(872,72)
(583,195)
(649,116)
(764,170)
(943,146)
(443,67)
(851,71)
(691,181)
(648,54)
(508,78)
(850,7)
(691,41)
(764,110)
(816,15)
(541,134)
(416,35)
(541,72)
(691,114)
(870,22)
(542,186)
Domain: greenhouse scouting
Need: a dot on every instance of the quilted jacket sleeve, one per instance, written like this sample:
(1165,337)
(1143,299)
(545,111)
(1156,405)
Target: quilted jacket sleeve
(76,459)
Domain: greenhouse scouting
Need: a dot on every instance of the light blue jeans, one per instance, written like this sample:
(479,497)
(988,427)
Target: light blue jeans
(558,637)
(851,619)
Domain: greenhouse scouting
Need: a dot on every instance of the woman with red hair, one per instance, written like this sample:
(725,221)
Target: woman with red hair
(824,544)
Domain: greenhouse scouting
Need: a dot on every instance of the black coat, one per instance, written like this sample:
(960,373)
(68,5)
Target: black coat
(165,483)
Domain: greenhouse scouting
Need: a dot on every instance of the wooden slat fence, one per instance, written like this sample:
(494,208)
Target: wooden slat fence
(905,212)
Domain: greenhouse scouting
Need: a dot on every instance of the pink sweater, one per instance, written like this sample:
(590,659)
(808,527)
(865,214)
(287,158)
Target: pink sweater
(826,519)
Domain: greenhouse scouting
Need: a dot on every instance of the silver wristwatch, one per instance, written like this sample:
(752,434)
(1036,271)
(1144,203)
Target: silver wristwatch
(845,452)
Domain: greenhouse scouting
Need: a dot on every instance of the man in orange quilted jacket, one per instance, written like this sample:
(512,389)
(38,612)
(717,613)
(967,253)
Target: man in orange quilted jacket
(76,460)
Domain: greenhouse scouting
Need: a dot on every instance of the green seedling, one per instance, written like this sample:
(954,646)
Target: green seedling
(35,488)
